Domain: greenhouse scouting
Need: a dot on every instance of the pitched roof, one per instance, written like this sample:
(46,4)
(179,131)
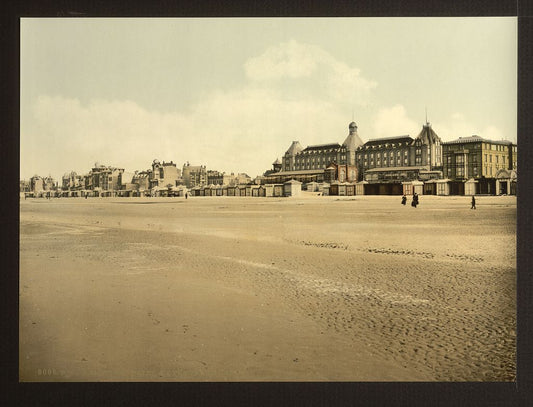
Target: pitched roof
(295,147)
(427,134)
(322,146)
(399,139)
(477,139)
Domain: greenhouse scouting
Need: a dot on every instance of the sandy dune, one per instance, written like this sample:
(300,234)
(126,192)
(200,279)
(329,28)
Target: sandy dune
(262,289)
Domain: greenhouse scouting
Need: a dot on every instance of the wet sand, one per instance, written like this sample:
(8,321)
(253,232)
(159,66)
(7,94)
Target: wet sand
(267,289)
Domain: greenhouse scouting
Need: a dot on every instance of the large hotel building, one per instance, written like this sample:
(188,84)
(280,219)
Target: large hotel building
(466,165)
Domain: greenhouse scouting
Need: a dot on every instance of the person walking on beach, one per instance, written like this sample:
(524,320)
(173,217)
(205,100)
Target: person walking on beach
(473,203)
(404,200)
(186,195)
(414,203)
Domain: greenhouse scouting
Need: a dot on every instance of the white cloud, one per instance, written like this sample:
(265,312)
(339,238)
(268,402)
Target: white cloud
(459,126)
(393,121)
(289,59)
(298,62)
(242,130)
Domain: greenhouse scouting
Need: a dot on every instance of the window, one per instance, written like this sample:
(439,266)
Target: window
(405,160)
(460,172)
(405,153)
(490,158)
(497,159)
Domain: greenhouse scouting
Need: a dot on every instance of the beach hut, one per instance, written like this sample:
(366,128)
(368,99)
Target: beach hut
(195,191)
(242,190)
(278,190)
(261,191)
(225,190)
(418,187)
(342,188)
(350,189)
(231,190)
(269,190)
(313,186)
(292,188)
(470,187)
(412,187)
(442,186)
(334,188)
(324,188)
(218,190)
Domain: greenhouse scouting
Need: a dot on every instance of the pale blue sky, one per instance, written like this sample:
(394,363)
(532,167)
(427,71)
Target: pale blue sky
(233,93)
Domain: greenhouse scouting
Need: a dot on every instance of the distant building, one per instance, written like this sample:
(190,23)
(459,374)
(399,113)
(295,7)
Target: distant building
(309,164)
(219,178)
(321,156)
(164,174)
(242,179)
(126,182)
(142,180)
(49,184)
(399,159)
(72,181)
(486,162)
(25,186)
(104,178)
(194,175)
(36,184)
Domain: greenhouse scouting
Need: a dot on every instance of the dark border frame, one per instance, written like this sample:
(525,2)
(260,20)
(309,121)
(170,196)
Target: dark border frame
(255,393)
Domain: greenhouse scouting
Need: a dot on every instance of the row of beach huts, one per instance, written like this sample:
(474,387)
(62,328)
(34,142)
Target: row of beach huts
(336,188)
(289,188)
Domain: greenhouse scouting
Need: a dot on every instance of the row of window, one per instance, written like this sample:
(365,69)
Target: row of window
(489,171)
(398,161)
(378,155)
(323,160)
(459,159)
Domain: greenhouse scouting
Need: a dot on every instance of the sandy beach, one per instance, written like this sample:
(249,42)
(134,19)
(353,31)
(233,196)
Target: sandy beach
(267,289)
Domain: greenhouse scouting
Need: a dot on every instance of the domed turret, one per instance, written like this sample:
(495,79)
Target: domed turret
(353,140)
